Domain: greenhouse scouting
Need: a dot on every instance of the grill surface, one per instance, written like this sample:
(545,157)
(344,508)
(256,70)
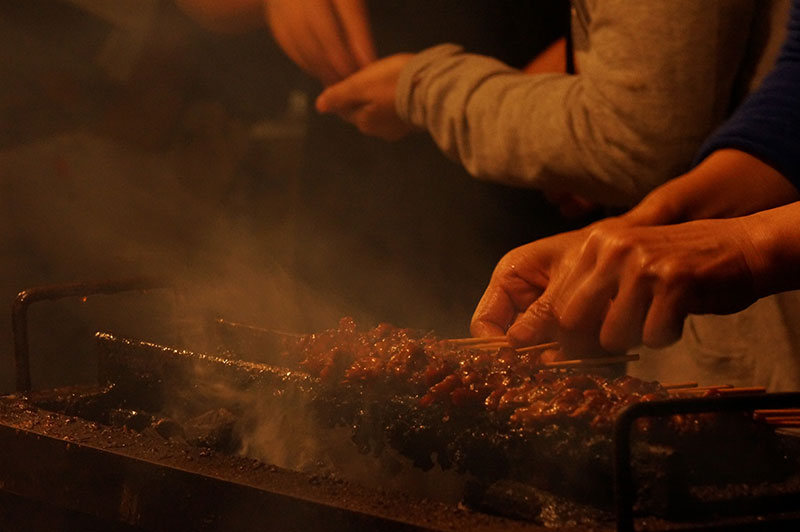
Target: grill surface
(61,456)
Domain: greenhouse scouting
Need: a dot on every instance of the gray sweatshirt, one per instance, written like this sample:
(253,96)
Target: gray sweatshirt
(654,79)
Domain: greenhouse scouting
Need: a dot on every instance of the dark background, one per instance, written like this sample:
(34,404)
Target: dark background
(135,142)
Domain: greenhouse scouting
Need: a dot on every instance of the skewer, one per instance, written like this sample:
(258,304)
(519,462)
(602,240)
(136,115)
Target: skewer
(258,329)
(777,412)
(725,389)
(477,340)
(539,347)
(699,389)
(489,345)
(679,385)
(783,421)
(589,362)
(745,389)
(496,342)
(779,417)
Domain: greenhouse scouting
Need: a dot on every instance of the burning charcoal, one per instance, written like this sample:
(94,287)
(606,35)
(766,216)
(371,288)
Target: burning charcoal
(522,501)
(168,429)
(131,419)
(212,429)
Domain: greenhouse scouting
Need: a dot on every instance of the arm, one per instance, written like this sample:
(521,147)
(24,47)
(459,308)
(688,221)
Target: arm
(617,284)
(329,39)
(653,84)
(625,286)
(625,281)
(728,183)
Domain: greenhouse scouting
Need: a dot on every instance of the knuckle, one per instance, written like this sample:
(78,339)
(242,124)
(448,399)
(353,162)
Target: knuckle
(671,274)
(612,244)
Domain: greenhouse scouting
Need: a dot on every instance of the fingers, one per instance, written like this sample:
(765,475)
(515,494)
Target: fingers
(343,98)
(329,39)
(329,48)
(537,324)
(624,322)
(354,20)
(584,312)
(506,296)
(285,27)
(366,99)
(664,322)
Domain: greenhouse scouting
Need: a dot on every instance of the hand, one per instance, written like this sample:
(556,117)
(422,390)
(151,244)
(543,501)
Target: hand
(518,281)
(329,39)
(624,286)
(366,99)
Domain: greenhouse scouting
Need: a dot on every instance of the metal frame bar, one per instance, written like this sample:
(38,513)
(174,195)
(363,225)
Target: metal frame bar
(19,312)
(624,489)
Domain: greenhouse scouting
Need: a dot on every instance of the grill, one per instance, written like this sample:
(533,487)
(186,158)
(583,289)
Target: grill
(112,454)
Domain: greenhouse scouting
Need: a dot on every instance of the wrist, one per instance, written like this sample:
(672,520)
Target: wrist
(657,208)
(772,248)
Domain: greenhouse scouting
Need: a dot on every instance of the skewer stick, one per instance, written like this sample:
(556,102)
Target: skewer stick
(744,389)
(489,345)
(589,362)
(477,340)
(539,347)
(679,385)
(784,422)
(777,412)
(259,329)
(699,389)
(725,389)
(782,418)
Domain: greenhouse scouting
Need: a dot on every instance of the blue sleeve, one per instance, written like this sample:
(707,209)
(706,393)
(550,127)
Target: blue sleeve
(767,125)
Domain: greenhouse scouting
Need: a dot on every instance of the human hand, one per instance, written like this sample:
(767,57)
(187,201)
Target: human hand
(518,281)
(366,99)
(623,286)
(329,39)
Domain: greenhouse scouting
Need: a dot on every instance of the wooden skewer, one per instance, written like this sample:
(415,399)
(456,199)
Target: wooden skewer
(496,342)
(589,362)
(699,389)
(489,345)
(777,412)
(258,329)
(725,389)
(477,340)
(679,385)
(744,389)
(784,422)
(539,347)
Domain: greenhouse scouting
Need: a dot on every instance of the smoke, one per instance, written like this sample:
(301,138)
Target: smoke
(277,423)
(135,142)
(115,163)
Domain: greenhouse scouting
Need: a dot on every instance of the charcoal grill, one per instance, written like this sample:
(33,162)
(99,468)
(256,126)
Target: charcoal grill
(63,458)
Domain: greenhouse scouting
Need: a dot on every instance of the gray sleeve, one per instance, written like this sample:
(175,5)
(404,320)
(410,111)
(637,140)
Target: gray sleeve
(654,79)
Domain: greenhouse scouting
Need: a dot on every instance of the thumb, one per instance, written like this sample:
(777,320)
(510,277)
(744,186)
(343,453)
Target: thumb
(337,98)
(326,99)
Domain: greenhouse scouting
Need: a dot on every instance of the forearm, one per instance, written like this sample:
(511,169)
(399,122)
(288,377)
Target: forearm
(774,238)
(728,183)
(632,119)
